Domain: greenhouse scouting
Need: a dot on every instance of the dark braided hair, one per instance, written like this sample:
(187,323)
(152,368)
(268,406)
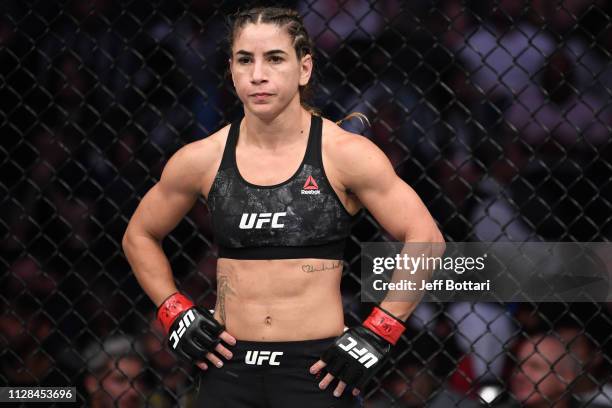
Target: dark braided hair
(282,17)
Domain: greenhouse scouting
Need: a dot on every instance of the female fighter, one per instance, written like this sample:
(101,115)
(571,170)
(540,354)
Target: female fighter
(282,185)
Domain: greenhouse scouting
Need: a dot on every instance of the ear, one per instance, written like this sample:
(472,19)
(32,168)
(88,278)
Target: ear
(305,69)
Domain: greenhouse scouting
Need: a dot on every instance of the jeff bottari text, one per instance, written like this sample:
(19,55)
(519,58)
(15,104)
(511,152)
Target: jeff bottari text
(436,284)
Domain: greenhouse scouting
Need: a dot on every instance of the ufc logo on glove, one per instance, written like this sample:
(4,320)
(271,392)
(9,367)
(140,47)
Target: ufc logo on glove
(185,322)
(362,355)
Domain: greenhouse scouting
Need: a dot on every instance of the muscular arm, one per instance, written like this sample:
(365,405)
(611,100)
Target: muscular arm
(366,171)
(159,211)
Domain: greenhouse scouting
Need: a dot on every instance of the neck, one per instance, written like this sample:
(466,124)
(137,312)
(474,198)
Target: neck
(287,127)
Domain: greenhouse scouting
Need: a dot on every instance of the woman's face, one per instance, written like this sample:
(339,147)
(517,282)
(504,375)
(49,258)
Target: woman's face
(265,69)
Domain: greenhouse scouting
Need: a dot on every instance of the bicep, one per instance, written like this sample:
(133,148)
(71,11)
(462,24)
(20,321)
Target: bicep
(160,211)
(167,202)
(392,202)
(398,209)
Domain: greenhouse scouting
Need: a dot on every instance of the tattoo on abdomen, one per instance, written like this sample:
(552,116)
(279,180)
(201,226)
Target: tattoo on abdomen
(308,268)
(223,288)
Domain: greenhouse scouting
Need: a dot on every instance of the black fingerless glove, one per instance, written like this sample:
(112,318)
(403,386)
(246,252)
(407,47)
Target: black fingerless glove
(357,355)
(192,330)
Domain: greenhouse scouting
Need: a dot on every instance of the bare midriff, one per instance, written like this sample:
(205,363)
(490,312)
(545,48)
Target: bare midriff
(280,300)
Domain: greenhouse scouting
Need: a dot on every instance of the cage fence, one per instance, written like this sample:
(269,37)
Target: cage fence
(497,113)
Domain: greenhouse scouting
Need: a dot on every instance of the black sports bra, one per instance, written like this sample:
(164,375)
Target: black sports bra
(299,218)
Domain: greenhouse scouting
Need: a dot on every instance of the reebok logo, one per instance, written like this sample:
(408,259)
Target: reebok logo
(257,221)
(362,355)
(258,357)
(310,186)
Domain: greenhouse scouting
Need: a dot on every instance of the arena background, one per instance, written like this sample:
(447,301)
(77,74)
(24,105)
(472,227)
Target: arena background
(497,113)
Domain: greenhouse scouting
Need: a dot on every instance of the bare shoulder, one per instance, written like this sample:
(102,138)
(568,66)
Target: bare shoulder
(351,153)
(194,165)
(203,154)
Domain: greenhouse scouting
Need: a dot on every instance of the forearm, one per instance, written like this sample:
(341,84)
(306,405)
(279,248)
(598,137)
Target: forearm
(400,309)
(150,265)
(430,245)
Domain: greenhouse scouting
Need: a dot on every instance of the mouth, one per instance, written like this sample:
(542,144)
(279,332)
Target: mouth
(260,97)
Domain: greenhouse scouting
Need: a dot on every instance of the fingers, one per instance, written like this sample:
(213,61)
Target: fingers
(316,367)
(228,338)
(221,349)
(214,359)
(339,389)
(326,381)
(224,351)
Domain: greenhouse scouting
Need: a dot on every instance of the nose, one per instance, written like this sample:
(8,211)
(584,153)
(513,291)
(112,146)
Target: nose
(258,74)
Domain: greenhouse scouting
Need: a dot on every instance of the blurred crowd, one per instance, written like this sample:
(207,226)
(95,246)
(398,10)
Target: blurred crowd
(497,113)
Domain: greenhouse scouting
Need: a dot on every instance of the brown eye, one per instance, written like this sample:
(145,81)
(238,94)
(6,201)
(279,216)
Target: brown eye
(275,59)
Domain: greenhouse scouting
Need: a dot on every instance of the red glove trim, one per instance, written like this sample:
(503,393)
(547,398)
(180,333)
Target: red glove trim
(385,325)
(173,306)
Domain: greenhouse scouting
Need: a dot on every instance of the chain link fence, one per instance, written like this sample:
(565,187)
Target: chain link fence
(497,113)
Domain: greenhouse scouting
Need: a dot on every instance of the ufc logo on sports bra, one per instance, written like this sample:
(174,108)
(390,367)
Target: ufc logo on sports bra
(258,357)
(183,325)
(362,355)
(258,220)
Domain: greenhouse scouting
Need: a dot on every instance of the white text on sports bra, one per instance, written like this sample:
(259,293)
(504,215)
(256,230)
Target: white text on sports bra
(257,220)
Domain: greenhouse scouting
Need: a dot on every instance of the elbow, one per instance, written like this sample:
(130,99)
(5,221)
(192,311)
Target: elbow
(125,241)
(437,236)
(431,235)
(433,238)
(438,239)
(434,233)
(134,237)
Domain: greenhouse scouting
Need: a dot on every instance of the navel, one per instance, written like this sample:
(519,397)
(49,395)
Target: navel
(268,321)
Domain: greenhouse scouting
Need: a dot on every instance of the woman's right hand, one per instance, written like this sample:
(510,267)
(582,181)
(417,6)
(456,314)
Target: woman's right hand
(193,332)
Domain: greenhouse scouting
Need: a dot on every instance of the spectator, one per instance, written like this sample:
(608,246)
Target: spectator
(497,216)
(545,370)
(114,376)
(332,23)
(410,385)
(27,358)
(483,331)
(505,54)
(554,112)
(545,374)
(171,379)
(589,356)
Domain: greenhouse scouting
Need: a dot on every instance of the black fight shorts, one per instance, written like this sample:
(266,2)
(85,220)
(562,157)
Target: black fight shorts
(271,375)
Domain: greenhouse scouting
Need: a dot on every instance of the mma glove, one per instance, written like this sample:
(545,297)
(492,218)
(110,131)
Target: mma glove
(360,352)
(192,330)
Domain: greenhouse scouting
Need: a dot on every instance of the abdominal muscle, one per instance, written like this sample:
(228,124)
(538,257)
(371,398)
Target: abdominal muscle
(280,300)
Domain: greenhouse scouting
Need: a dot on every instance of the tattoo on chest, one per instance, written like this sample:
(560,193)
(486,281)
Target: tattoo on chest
(310,268)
